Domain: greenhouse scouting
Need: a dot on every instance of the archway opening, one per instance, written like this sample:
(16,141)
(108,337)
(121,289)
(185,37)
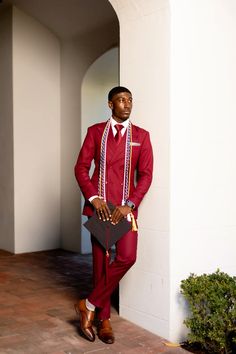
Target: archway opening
(101,76)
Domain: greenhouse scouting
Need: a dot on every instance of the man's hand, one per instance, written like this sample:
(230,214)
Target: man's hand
(102,209)
(119,213)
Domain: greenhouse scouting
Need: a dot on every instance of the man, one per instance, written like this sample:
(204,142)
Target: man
(123,159)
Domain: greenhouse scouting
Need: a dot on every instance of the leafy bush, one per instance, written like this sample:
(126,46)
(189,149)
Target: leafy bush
(212,302)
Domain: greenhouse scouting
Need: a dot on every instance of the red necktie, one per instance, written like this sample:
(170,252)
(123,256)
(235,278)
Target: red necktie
(118,135)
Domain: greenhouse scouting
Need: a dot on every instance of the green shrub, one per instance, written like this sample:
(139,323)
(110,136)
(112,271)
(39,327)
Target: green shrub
(212,302)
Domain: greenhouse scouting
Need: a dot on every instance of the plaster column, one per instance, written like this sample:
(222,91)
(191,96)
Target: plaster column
(36,121)
(178,58)
(6,134)
(203,144)
(144,69)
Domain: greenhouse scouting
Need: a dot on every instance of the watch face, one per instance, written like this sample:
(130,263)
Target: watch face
(130,204)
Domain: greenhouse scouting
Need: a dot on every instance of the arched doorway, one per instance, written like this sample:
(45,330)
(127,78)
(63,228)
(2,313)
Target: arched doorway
(101,76)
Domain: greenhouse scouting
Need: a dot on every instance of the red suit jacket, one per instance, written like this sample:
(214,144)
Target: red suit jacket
(141,166)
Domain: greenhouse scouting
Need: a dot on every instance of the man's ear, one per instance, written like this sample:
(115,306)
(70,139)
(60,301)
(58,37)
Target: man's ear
(110,104)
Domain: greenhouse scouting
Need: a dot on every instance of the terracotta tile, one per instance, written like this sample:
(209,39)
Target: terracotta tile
(37,292)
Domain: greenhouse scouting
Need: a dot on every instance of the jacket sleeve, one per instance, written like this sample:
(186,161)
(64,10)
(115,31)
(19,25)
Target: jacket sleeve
(83,164)
(144,171)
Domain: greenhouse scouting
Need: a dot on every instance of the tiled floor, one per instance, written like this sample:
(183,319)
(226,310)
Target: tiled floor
(37,293)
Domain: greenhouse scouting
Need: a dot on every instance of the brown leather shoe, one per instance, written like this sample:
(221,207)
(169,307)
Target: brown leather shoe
(105,332)
(86,319)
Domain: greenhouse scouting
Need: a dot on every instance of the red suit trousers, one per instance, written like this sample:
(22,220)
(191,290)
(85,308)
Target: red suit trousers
(126,251)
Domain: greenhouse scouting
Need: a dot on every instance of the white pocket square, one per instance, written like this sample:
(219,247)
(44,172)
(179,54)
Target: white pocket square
(133,143)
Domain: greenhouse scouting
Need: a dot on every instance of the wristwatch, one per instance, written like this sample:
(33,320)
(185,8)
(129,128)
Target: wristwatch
(130,204)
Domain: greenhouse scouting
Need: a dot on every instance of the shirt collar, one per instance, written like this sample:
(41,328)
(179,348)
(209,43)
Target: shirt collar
(114,122)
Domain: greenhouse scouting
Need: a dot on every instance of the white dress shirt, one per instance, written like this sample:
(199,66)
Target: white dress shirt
(123,130)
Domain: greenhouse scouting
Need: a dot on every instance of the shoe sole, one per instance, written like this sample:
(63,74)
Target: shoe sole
(111,341)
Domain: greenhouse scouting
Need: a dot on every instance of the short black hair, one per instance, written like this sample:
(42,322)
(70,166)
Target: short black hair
(115,90)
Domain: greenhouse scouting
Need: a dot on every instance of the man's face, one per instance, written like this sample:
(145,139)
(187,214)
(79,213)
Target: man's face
(121,106)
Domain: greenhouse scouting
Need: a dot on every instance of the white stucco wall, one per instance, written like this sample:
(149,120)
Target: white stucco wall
(36,120)
(178,58)
(203,145)
(40,121)
(144,59)
(72,67)
(6,134)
